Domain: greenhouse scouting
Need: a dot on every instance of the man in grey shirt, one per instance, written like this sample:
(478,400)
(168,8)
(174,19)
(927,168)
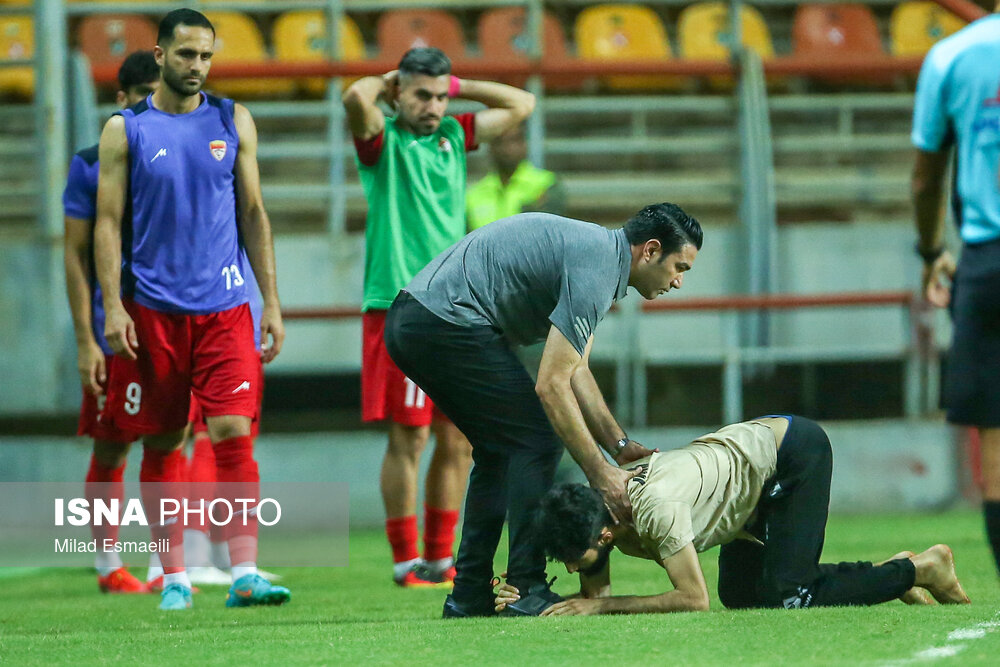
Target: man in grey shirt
(517,281)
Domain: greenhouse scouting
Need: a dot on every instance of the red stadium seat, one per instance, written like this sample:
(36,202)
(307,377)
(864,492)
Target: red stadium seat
(826,32)
(400,30)
(107,39)
(502,38)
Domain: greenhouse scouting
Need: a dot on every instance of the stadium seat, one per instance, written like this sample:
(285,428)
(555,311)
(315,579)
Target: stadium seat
(238,40)
(624,32)
(825,32)
(301,37)
(17,40)
(915,26)
(703,28)
(502,37)
(108,38)
(400,30)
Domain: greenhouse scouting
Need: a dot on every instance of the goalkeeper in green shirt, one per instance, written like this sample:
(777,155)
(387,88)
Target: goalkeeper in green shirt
(412,167)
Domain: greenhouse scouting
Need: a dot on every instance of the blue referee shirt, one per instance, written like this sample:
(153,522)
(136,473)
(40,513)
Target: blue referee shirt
(958,101)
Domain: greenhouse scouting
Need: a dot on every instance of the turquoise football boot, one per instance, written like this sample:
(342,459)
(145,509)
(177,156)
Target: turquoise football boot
(252,589)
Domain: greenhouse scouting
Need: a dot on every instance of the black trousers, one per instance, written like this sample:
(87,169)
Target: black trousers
(474,377)
(791,523)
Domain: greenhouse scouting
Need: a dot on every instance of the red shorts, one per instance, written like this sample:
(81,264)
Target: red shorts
(385,392)
(90,418)
(197,419)
(211,358)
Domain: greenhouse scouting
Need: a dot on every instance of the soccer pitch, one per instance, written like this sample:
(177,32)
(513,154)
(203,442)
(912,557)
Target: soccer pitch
(355,615)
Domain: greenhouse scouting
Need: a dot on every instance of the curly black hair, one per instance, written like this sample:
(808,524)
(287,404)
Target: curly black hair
(569,520)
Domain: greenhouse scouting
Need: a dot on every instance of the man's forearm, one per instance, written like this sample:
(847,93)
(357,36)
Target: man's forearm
(928,203)
(108,261)
(497,95)
(260,252)
(596,414)
(563,412)
(367,89)
(79,295)
(671,601)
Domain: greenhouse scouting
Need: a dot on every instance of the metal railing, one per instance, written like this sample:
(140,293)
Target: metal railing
(632,358)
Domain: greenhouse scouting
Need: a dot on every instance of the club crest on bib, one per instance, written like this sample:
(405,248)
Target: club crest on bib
(444,145)
(218,148)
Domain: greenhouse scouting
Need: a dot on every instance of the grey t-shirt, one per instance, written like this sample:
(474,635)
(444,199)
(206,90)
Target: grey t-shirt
(525,273)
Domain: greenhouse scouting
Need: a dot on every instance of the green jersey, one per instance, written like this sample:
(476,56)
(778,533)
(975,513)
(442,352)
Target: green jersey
(415,188)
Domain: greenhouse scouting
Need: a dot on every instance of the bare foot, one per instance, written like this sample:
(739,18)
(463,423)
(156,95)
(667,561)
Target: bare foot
(915,595)
(936,572)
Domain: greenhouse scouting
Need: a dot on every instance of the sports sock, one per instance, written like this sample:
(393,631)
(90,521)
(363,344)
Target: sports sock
(196,548)
(439,533)
(402,534)
(180,577)
(106,484)
(155,568)
(161,477)
(991,512)
(244,569)
(238,477)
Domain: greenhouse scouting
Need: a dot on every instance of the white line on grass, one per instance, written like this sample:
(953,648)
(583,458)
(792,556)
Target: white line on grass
(957,641)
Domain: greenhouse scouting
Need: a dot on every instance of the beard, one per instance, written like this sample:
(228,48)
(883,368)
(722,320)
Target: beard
(603,553)
(179,85)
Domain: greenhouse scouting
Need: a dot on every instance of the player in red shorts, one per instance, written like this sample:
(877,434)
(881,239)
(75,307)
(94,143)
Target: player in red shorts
(412,167)
(137,77)
(179,213)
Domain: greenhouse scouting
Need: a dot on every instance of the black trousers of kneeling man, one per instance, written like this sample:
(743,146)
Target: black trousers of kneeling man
(784,571)
(473,376)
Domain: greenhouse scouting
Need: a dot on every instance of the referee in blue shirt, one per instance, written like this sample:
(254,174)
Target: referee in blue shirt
(958,107)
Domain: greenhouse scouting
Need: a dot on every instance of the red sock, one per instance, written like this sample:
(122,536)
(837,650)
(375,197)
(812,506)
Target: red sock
(402,534)
(439,532)
(201,477)
(104,483)
(161,476)
(238,477)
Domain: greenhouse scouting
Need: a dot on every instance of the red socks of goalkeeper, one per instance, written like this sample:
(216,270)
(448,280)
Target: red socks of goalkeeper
(439,535)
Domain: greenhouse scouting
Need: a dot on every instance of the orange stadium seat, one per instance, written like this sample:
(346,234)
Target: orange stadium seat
(915,26)
(703,27)
(301,37)
(108,38)
(238,40)
(624,32)
(502,37)
(828,31)
(400,30)
(17,40)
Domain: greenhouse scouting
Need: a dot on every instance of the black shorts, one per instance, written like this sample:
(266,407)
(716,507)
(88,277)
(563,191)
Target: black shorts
(972,382)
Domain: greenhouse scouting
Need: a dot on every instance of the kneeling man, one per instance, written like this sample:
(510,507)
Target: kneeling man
(761,489)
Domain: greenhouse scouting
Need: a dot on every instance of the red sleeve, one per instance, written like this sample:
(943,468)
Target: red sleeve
(468,123)
(369,150)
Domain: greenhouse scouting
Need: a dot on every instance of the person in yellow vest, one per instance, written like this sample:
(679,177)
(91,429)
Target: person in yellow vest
(514,186)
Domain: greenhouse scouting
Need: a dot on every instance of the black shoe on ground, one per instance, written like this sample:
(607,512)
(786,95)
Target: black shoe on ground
(453,609)
(538,598)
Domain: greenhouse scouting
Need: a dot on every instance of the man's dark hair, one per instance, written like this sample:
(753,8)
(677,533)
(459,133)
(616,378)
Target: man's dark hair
(140,67)
(425,60)
(188,17)
(668,224)
(569,520)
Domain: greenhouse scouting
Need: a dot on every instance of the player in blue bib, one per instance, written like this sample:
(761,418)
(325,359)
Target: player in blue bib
(957,111)
(178,203)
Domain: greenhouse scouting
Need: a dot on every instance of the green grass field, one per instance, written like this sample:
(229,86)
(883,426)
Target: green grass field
(354,615)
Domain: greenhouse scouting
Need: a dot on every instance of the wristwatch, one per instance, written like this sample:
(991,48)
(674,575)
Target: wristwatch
(619,446)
